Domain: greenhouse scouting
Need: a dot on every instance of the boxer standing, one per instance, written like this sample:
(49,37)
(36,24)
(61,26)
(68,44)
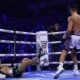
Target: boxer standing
(72,34)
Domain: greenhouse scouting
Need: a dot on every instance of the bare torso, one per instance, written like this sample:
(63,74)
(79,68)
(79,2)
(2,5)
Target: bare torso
(76,23)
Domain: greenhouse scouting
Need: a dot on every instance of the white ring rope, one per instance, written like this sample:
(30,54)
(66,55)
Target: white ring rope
(54,42)
(18,55)
(21,32)
(60,52)
(54,33)
(6,31)
(17,32)
(25,42)
(66,62)
(18,42)
(31,54)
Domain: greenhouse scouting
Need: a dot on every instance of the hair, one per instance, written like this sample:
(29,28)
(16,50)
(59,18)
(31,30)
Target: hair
(74,7)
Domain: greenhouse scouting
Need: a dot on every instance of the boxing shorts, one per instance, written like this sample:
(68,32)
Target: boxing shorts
(17,72)
(75,41)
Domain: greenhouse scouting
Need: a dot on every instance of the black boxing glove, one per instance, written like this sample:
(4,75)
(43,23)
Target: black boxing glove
(66,36)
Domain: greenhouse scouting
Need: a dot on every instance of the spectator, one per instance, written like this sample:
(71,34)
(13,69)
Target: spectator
(57,37)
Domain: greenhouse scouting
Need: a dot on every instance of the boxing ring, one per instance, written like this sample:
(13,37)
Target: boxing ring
(39,74)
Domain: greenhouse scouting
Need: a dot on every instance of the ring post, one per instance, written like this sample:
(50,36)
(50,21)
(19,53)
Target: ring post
(42,44)
(13,59)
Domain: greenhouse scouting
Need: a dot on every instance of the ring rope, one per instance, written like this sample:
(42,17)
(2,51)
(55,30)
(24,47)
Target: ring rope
(31,54)
(17,32)
(21,32)
(66,62)
(18,42)
(11,55)
(25,42)
(54,33)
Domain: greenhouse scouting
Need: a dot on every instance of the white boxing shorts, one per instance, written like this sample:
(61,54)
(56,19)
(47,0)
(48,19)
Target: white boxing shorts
(75,42)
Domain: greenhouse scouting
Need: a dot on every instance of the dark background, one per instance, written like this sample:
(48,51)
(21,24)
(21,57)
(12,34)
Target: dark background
(34,15)
(31,16)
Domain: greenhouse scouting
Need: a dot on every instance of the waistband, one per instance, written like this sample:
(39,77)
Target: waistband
(77,33)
